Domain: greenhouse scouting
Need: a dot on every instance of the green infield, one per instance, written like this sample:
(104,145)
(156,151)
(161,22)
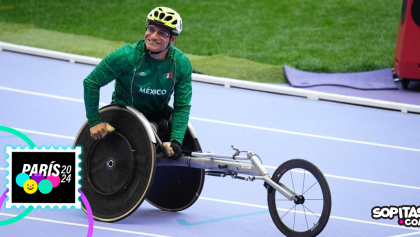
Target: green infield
(242,39)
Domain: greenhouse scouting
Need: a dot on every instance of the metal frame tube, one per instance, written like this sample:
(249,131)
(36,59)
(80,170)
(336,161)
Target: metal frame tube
(277,187)
(212,155)
(256,162)
(211,162)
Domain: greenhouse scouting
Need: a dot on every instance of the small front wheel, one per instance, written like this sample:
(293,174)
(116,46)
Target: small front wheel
(310,213)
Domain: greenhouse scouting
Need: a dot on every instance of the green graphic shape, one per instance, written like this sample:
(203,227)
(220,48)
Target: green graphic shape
(45,186)
(19,134)
(32,145)
(17,218)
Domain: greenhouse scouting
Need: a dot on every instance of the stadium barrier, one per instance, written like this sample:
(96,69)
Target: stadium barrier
(226,82)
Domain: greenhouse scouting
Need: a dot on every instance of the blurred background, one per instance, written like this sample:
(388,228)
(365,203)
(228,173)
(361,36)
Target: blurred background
(241,39)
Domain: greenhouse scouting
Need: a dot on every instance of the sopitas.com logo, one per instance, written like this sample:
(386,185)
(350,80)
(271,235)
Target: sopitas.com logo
(408,216)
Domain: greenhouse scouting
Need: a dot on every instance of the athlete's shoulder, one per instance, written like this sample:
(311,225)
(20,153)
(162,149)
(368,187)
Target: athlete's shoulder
(179,56)
(139,47)
(131,49)
(126,54)
(182,62)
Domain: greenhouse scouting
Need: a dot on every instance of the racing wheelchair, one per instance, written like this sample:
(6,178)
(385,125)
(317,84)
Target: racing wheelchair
(129,166)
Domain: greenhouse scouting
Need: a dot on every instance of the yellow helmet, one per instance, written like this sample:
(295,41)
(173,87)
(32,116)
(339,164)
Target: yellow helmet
(166,17)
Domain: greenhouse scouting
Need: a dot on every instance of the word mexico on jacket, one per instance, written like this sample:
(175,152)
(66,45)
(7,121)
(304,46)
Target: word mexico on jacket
(43,177)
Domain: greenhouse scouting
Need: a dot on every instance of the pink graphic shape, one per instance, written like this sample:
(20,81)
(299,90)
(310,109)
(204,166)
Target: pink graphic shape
(55,180)
(37,177)
(401,222)
(89,212)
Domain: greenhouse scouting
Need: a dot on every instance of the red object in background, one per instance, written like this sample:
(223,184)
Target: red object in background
(407,52)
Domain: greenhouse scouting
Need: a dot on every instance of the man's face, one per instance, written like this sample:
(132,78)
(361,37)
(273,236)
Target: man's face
(157,38)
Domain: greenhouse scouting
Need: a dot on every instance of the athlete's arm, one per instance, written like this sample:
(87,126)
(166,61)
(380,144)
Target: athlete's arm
(111,67)
(182,101)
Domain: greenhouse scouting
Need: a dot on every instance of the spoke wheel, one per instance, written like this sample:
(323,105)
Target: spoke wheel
(310,213)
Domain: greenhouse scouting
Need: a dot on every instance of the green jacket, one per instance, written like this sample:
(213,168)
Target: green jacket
(143,83)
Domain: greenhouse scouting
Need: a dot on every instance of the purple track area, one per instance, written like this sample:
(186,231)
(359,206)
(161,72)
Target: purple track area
(411,95)
(371,80)
(370,157)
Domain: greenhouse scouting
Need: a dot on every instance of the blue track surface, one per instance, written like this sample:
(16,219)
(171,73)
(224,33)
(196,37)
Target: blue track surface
(378,148)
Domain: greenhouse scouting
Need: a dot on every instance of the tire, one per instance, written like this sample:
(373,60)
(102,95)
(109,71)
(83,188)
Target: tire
(182,184)
(313,213)
(116,190)
(405,82)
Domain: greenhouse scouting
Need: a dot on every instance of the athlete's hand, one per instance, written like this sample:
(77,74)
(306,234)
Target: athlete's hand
(100,130)
(172,149)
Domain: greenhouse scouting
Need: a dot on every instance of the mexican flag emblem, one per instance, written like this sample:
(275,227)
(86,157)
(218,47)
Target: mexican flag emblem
(169,75)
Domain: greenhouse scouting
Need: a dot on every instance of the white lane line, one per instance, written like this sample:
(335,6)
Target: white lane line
(408,234)
(332,217)
(230,123)
(371,181)
(83,225)
(354,179)
(44,95)
(305,134)
(214,200)
(45,134)
(267,166)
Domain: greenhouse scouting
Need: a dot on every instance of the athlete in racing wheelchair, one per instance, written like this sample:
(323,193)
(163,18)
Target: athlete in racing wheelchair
(146,74)
(125,162)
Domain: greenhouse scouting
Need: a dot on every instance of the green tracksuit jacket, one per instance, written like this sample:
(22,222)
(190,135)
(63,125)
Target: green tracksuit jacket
(143,83)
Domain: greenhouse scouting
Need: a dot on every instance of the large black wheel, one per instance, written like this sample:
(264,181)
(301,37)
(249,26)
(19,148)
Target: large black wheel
(309,215)
(118,170)
(177,188)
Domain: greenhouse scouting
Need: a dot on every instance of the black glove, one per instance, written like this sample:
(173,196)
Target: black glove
(176,146)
